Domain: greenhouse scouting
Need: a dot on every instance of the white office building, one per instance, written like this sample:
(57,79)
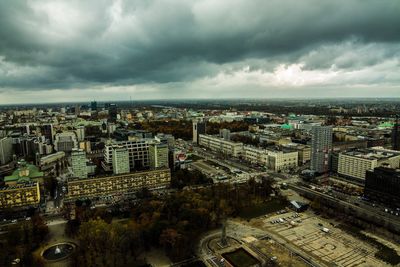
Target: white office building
(80,133)
(120,160)
(138,153)
(78,163)
(158,155)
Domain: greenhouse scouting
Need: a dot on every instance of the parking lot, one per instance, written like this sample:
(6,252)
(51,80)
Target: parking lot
(321,238)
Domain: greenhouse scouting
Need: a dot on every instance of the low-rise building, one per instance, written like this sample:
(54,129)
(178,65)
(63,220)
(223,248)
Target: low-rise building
(277,160)
(25,173)
(280,160)
(22,187)
(218,144)
(20,195)
(304,151)
(122,184)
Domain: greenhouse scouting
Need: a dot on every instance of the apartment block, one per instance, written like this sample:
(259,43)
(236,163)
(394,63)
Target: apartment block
(78,163)
(120,160)
(218,144)
(158,155)
(277,160)
(124,184)
(355,164)
(20,195)
(138,153)
(321,146)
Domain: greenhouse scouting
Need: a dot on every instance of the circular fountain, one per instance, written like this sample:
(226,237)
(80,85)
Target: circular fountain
(58,251)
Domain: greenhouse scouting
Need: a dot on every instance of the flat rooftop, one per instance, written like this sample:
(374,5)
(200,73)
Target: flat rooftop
(371,154)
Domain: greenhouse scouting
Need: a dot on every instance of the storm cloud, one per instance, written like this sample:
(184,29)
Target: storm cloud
(172,48)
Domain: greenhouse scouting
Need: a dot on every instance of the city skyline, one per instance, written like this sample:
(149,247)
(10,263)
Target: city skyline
(68,51)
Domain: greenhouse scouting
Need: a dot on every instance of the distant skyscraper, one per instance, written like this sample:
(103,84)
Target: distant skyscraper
(396,135)
(93,106)
(111,127)
(77,110)
(158,155)
(78,162)
(120,160)
(321,145)
(80,133)
(198,128)
(112,112)
(6,150)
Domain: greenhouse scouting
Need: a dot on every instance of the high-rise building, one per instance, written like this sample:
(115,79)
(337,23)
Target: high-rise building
(93,106)
(6,150)
(46,130)
(396,135)
(80,133)
(158,155)
(321,146)
(138,154)
(120,160)
(112,112)
(78,163)
(77,110)
(198,128)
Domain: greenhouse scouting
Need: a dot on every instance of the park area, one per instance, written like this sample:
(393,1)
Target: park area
(259,209)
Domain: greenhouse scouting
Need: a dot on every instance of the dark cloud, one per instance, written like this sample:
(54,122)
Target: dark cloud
(78,44)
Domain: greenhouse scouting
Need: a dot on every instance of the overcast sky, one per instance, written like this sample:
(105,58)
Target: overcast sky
(112,50)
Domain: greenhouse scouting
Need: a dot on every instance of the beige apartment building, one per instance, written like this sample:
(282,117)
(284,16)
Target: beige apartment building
(356,163)
(218,144)
(277,160)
